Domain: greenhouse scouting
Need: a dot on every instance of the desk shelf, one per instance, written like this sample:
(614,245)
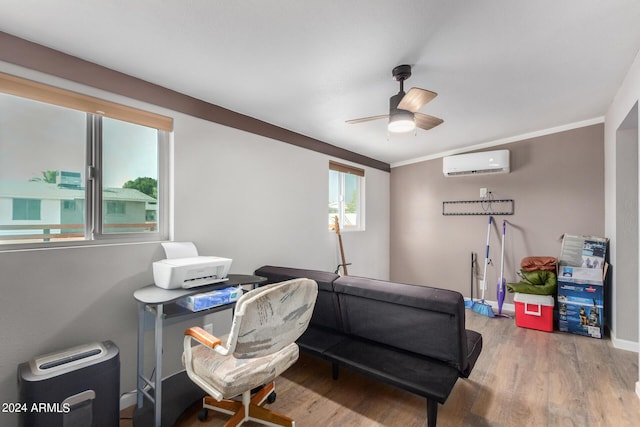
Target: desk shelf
(174,310)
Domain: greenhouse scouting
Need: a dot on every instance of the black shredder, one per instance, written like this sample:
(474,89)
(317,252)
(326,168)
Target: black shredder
(77,387)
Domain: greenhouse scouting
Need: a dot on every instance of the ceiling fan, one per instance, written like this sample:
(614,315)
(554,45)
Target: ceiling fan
(403,108)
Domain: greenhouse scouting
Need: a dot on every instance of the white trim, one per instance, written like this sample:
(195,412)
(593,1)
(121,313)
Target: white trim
(507,308)
(624,344)
(128,399)
(549,131)
(638,388)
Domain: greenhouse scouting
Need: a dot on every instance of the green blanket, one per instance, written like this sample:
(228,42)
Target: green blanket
(535,282)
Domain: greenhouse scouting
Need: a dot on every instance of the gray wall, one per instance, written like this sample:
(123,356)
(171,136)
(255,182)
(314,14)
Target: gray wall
(626,316)
(236,194)
(556,182)
(261,201)
(620,112)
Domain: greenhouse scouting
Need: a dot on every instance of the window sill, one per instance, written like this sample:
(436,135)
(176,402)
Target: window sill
(28,247)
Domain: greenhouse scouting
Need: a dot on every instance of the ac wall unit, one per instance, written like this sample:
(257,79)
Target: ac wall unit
(476,163)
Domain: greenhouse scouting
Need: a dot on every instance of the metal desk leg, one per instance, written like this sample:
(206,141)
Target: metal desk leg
(158,379)
(140,382)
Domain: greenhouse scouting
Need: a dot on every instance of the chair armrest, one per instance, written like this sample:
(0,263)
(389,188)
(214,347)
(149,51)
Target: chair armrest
(203,337)
(208,340)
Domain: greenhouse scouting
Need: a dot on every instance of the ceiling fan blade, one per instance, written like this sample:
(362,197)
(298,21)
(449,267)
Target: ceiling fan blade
(367,119)
(415,99)
(426,122)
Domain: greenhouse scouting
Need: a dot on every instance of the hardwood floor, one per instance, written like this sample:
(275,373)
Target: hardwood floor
(522,378)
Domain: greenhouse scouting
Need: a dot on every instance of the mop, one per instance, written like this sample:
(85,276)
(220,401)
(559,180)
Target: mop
(469,302)
(502,283)
(481,307)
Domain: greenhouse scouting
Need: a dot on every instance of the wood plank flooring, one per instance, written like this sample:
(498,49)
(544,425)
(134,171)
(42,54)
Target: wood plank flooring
(522,378)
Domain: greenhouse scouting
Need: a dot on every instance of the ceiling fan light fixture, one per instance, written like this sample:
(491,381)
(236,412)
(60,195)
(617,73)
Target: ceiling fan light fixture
(401,121)
(403,114)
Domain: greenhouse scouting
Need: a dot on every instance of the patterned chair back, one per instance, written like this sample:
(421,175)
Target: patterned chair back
(272,317)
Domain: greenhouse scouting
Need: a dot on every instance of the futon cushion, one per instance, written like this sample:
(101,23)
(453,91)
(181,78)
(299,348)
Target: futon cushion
(474,347)
(426,321)
(317,340)
(423,297)
(422,376)
(275,274)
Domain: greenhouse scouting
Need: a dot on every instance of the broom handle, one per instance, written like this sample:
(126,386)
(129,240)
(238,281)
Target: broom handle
(472,265)
(504,231)
(486,258)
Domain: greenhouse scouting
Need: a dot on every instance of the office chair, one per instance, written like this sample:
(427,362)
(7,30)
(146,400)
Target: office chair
(260,346)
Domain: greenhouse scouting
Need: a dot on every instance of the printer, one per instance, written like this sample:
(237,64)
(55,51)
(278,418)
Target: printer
(190,272)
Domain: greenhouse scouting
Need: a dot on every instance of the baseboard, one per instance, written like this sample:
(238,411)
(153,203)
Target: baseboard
(510,308)
(128,399)
(624,344)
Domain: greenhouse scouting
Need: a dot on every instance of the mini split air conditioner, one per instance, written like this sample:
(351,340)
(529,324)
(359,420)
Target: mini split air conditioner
(476,163)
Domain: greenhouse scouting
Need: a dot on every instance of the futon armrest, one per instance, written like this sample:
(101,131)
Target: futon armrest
(203,337)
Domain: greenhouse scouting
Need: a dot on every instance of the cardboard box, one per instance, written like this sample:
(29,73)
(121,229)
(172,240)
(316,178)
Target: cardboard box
(581,308)
(206,300)
(581,319)
(580,293)
(534,311)
(583,251)
(581,275)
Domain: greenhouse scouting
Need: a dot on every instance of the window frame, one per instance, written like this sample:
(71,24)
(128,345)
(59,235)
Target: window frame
(343,170)
(95,110)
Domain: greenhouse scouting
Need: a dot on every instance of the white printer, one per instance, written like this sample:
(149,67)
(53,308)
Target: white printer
(179,271)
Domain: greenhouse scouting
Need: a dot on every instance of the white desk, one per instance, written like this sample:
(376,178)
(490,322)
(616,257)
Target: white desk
(162,302)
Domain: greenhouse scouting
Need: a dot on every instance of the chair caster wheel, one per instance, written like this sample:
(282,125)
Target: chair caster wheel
(272,397)
(203,414)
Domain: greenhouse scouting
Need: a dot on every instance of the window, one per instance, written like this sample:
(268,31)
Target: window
(346,196)
(69,205)
(26,209)
(129,172)
(116,208)
(78,168)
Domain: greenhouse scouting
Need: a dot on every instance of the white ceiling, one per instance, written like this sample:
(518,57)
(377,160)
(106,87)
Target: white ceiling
(501,67)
